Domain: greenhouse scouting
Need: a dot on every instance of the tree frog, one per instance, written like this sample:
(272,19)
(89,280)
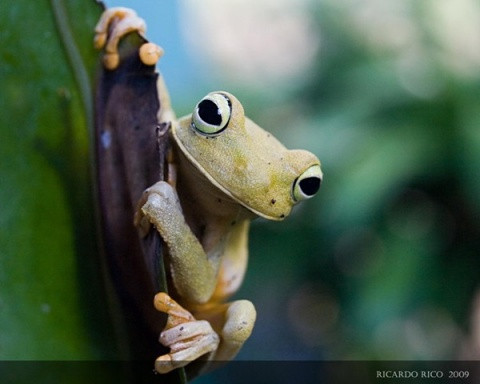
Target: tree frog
(224,171)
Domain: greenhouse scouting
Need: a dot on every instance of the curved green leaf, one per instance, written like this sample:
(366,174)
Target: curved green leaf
(50,307)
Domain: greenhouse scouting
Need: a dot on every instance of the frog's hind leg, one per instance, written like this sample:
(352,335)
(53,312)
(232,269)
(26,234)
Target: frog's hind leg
(240,319)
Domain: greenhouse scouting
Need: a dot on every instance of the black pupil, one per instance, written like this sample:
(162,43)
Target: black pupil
(310,185)
(209,112)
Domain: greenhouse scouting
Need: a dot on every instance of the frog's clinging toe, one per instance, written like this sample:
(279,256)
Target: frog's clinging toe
(149,53)
(186,337)
(114,24)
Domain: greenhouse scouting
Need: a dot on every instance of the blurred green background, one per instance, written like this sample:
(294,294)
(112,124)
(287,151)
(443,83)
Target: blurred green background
(382,264)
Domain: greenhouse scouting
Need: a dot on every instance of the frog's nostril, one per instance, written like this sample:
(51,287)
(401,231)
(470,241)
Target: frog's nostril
(310,185)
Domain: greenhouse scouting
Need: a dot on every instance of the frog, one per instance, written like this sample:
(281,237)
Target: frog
(224,171)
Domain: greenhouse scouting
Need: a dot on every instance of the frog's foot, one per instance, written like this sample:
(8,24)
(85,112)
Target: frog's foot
(187,338)
(113,25)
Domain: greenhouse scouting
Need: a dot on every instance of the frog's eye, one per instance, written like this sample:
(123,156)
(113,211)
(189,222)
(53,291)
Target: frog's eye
(307,184)
(212,114)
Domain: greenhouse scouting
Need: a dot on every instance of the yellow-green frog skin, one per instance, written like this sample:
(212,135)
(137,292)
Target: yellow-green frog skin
(229,170)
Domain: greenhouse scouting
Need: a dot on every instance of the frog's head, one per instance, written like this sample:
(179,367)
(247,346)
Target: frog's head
(243,160)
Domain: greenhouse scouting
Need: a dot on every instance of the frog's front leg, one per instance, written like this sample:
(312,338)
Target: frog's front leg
(193,276)
(187,338)
(113,25)
(194,273)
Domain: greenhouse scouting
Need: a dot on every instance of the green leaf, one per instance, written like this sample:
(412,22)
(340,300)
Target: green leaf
(51,303)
